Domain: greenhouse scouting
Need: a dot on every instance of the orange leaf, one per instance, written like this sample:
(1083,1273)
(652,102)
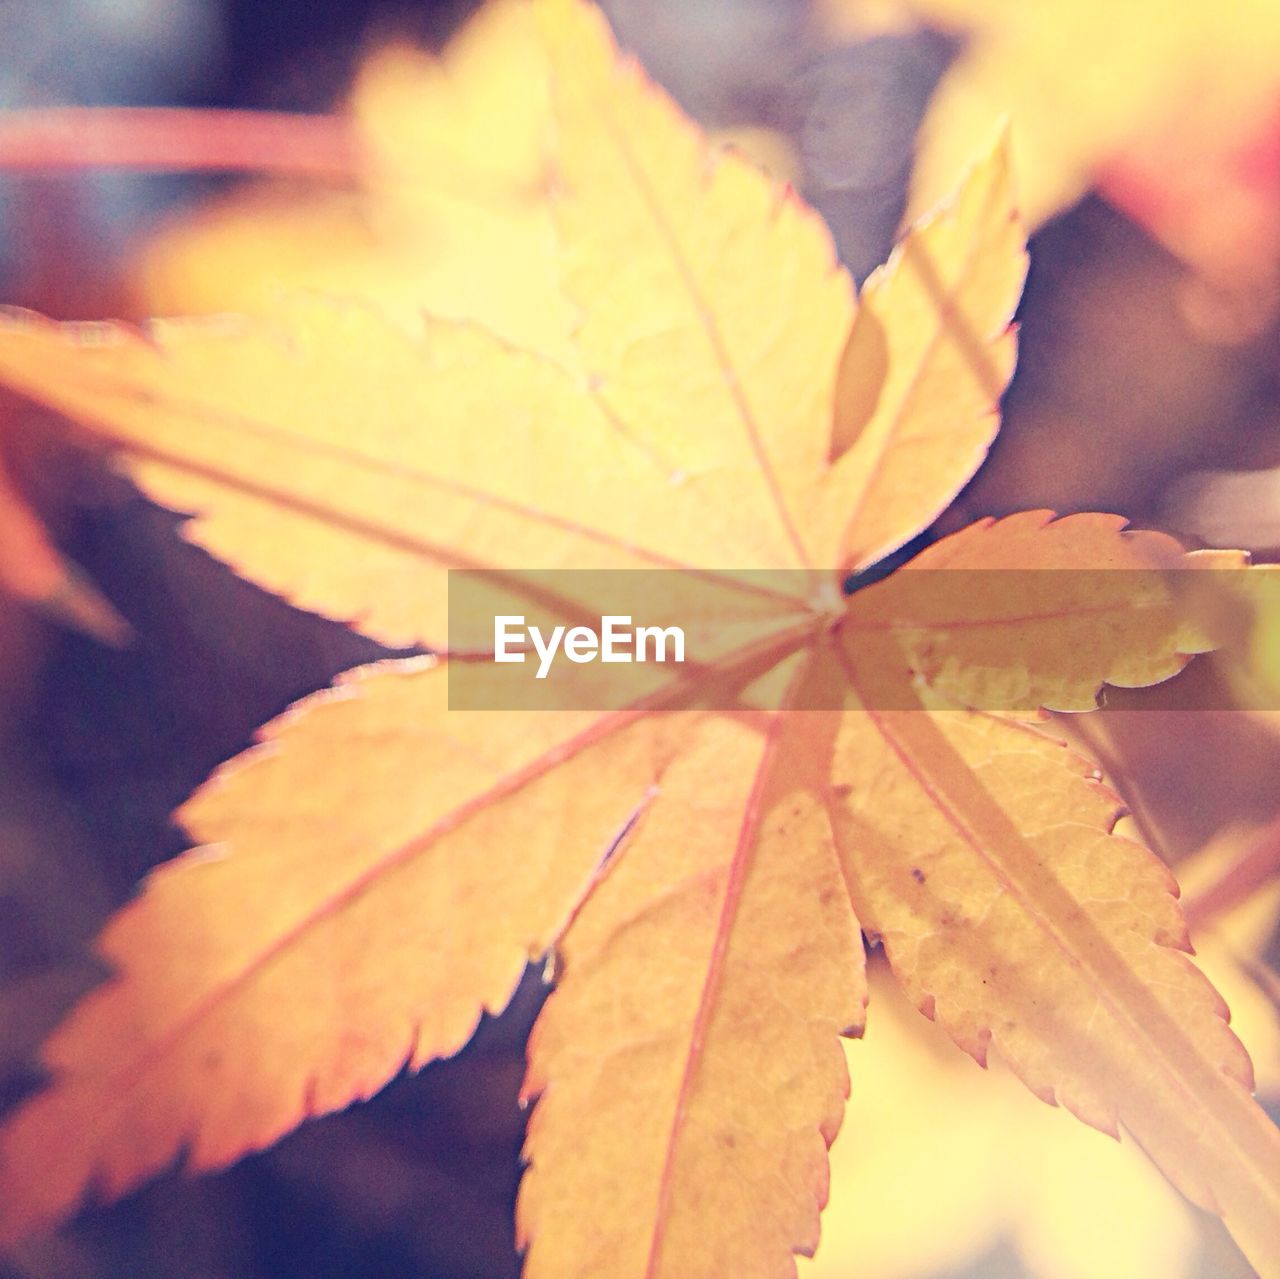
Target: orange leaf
(1171,110)
(1030,611)
(687,1068)
(984,862)
(930,354)
(705,983)
(249,424)
(450,217)
(387,882)
(994,1167)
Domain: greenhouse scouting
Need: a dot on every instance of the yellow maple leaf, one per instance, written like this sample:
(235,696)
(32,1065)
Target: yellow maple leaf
(923,1127)
(1159,103)
(450,216)
(929,1137)
(700,862)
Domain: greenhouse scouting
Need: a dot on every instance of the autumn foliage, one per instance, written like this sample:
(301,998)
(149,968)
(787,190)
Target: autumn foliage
(581,339)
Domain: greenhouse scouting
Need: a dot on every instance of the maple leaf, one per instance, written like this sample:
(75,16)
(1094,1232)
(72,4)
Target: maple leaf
(1234,923)
(381,869)
(930,1129)
(1174,113)
(449,215)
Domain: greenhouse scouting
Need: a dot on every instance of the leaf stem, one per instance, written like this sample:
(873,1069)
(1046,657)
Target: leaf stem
(1255,867)
(179,140)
